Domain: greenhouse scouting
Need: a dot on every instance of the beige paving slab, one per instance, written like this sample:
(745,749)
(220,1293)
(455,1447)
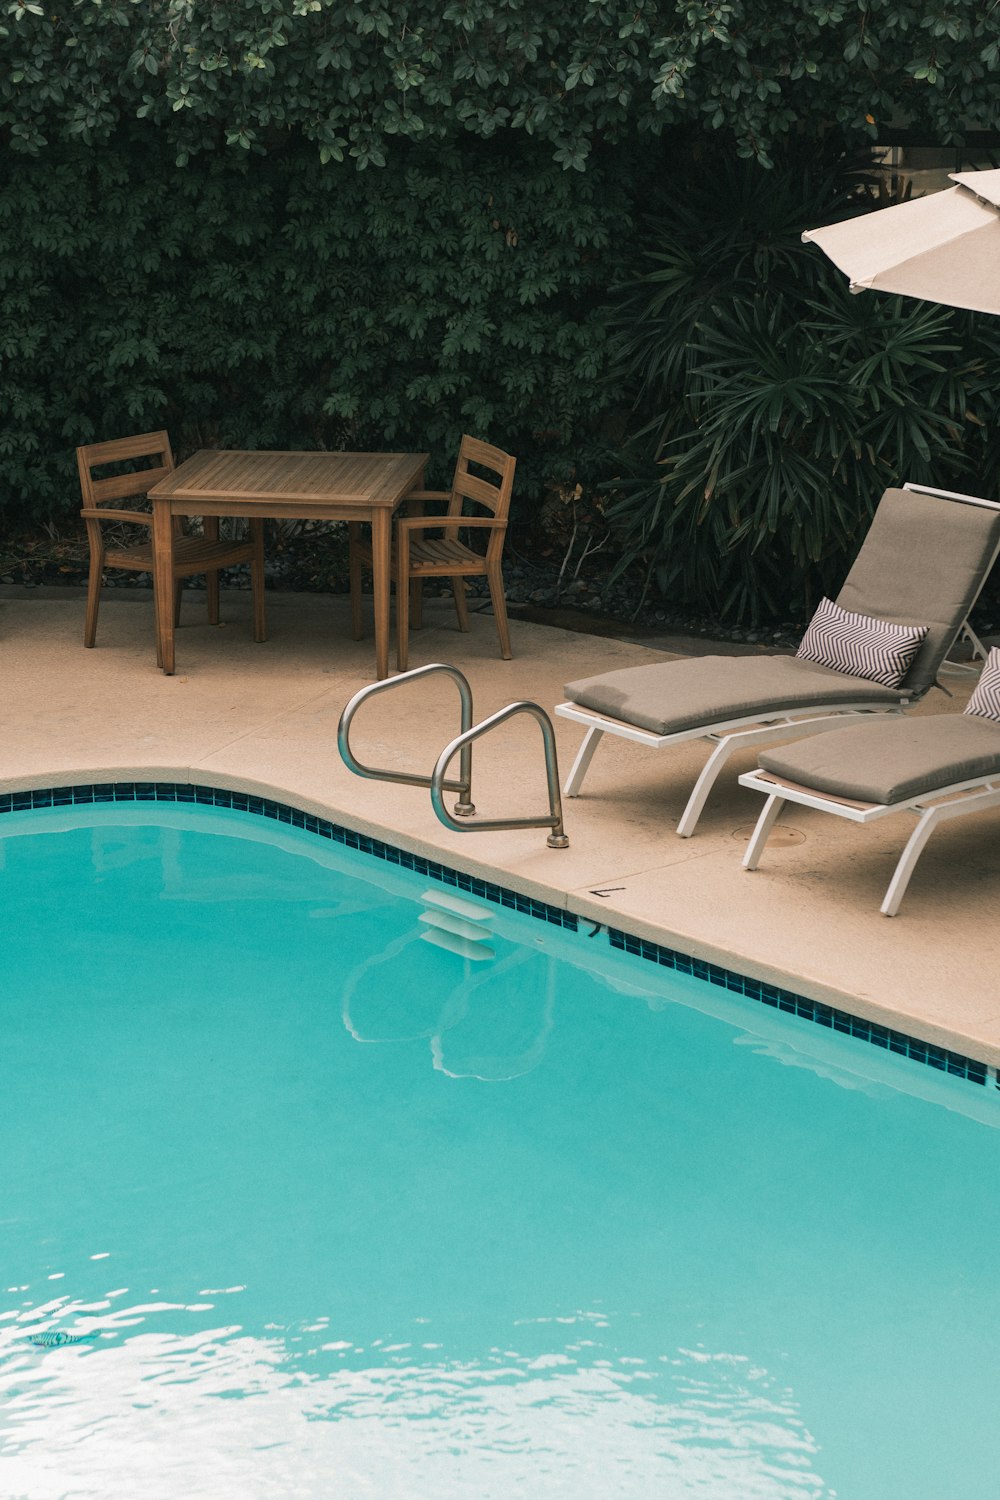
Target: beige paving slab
(264,717)
(820,925)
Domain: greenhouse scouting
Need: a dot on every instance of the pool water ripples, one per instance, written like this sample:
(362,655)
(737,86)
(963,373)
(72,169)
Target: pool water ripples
(336,1212)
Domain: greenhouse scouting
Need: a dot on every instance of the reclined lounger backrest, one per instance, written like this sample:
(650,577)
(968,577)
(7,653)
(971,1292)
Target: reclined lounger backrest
(924,562)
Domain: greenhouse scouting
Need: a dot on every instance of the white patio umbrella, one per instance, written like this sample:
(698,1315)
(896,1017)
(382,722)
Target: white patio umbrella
(943,248)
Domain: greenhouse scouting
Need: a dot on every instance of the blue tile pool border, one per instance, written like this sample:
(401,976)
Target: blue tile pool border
(829,1016)
(91,793)
(281,812)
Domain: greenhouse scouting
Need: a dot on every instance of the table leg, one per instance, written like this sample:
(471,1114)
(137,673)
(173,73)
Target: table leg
(163,583)
(210,531)
(381,575)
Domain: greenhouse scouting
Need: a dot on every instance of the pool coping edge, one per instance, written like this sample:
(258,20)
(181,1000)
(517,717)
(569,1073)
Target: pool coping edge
(41,792)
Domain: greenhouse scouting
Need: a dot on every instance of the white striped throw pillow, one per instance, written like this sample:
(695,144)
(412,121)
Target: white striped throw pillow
(860,645)
(985,700)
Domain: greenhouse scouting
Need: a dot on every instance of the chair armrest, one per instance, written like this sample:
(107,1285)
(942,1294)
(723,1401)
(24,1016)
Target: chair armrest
(422,523)
(137,517)
(416,501)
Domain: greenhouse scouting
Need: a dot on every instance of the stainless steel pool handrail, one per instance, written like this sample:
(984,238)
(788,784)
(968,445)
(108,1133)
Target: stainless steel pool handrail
(557,838)
(438,782)
(464,807)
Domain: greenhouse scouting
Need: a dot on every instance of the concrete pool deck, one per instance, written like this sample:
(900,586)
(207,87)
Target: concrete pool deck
(263,718)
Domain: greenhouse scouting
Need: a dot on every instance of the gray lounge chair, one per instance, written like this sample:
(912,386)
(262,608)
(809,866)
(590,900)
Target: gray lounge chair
(924,560)
(939,768)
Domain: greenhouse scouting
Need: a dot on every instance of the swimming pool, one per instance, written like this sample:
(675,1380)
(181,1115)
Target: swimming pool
(336,1211)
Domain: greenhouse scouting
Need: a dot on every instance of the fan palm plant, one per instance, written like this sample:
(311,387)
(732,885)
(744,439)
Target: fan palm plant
(771,408)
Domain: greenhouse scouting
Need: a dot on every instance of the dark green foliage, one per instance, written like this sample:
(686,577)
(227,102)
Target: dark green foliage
(359,77)
(186,240)
(277,303)
(772,406)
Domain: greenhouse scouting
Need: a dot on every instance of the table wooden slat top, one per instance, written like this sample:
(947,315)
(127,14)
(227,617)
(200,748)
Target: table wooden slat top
(312,478)
(258,483)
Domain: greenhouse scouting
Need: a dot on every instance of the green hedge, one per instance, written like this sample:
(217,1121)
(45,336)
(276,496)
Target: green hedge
(279,303)
(186,240)
(356,77)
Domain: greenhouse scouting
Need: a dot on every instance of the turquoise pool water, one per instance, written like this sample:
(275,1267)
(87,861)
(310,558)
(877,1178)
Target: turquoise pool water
(340,1213)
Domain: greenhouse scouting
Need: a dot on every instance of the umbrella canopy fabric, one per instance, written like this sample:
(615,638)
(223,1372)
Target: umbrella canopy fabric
(942,248)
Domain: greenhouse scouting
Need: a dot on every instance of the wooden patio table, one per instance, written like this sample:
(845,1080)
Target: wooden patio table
(284,486)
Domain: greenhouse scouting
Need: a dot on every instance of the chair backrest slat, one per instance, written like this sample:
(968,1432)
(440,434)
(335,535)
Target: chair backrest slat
(122,486)
(152,445)
(476,451)
(470,487)
(138,445)
(494,497)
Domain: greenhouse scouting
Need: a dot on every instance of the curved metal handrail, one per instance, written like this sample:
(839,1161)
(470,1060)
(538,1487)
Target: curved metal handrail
(464,807)
(463,743)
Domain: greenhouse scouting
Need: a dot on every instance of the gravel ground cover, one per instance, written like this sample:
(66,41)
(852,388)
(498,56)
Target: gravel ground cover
(538,587)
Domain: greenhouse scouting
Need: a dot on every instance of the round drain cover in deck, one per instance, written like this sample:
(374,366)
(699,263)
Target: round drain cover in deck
(780,836)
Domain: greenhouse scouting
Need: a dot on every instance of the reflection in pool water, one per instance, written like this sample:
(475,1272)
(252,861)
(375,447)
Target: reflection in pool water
(340,1213)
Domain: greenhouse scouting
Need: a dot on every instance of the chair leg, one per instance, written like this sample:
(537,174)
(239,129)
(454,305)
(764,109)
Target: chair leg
(402,628)
(257,581)
(212,589)
(461,608)
(156,625)
(178,593)
(495,578)
(354,534)
(416,603)
(94,581)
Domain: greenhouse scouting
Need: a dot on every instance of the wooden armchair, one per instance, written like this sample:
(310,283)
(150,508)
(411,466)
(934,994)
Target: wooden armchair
(417,556)
(150,459)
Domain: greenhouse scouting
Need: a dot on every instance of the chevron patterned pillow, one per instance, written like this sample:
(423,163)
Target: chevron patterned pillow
(985,700)
(860,645)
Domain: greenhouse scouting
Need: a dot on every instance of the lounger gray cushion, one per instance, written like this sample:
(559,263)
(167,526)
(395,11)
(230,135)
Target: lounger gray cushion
(890,760)
(673,696)
(923,562)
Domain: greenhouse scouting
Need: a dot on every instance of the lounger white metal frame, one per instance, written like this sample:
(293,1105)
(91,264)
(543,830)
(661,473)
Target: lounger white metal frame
(728,737)
(731,735)
(934,807)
